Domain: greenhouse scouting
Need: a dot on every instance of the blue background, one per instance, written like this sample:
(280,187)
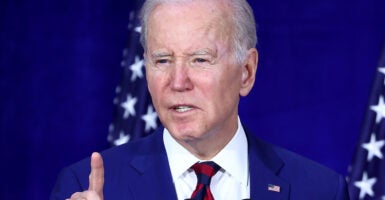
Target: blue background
(60,64)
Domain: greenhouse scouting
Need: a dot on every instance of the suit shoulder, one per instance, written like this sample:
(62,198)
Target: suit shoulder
(306,178)
(292,162)
(309,178)
(74,177)
(298,163)
(122,153)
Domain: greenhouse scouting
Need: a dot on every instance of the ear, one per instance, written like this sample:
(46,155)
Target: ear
(249,70)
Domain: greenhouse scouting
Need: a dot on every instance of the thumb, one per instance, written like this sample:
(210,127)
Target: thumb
(96,178)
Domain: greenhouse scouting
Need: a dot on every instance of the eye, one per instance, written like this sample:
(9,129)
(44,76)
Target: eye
(161,61)
(200,60)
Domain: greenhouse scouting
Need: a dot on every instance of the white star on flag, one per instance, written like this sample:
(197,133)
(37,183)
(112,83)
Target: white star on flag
(382,70)
(138,29)
(136,68)
(374,147)
(369,157)
(122,139)
(150,119)
(379,109)
(128,106)
(366,185)
(132,99)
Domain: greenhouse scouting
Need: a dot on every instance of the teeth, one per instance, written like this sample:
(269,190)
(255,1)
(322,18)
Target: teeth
(183,108)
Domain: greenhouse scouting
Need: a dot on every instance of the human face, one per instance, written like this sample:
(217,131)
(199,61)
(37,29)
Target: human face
(193,79)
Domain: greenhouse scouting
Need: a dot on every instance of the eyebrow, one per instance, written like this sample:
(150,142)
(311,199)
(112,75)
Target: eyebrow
(203,52)
(160,54)
(200,52)
(195,53)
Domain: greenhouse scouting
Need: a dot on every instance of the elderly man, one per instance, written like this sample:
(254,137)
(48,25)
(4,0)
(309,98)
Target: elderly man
(200,59)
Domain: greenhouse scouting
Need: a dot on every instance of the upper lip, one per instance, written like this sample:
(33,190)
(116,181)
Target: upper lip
(181,105)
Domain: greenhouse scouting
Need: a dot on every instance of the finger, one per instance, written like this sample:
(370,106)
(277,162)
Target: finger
(86,195)
(96,178)
(75,195)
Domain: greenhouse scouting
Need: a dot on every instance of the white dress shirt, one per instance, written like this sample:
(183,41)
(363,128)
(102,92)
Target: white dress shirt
(231,182)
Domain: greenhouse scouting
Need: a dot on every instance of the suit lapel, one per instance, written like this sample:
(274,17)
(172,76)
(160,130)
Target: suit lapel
(152,178)
(264,166)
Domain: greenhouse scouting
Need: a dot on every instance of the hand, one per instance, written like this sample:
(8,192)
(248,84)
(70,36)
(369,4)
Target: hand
(96,181)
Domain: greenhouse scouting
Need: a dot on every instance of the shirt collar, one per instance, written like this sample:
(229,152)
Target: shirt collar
(233,158)
(179,159)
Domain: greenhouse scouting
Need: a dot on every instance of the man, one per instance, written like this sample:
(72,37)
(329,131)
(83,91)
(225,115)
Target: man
(200,58)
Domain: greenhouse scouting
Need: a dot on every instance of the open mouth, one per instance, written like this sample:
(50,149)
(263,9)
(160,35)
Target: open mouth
(182,109)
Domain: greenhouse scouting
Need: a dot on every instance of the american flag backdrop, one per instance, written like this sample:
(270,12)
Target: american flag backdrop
(134,114)
(367,172)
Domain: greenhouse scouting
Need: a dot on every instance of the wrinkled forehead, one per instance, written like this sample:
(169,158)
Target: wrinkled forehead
(219,14)
(190,22)
(213,5)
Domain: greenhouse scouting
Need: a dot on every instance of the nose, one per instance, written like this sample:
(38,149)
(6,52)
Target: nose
(180,78)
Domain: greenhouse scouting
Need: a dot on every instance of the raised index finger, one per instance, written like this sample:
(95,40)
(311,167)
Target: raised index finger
(96,178)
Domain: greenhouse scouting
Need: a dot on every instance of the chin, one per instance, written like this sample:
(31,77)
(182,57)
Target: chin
(184,134)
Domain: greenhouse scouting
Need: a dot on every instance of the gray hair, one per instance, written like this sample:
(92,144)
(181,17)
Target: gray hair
(244,35)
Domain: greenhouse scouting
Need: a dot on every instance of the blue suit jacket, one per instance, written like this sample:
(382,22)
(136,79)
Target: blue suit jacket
(139,170)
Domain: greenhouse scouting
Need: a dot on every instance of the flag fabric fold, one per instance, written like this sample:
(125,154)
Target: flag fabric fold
(134,114)
(367,172)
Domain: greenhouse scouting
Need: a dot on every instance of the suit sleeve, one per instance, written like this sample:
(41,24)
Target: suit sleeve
(67,184)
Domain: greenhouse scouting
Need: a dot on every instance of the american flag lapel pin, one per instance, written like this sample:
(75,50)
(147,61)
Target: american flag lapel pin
(273,188)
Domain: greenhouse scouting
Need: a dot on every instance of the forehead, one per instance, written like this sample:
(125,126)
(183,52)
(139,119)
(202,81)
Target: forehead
(189,22)
(195,6)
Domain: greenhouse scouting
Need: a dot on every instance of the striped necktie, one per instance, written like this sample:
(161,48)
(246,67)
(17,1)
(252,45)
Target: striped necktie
(204,172)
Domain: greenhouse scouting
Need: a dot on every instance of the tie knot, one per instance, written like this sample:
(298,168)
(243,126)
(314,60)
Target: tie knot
(205,170)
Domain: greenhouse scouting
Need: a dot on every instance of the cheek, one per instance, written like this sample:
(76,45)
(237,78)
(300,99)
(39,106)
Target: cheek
(150,83)
(230,81)
(220,86)
(154,83)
